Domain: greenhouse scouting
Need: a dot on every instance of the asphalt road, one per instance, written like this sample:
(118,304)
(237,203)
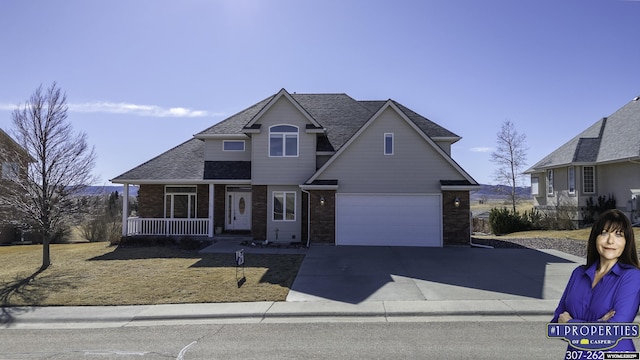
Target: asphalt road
(494,339)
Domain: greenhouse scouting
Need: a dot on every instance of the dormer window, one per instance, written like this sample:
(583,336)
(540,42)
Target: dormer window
(283,141)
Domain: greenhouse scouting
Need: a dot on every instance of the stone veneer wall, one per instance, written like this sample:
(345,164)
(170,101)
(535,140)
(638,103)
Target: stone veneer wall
(259,212)
(323,218)
(456,226)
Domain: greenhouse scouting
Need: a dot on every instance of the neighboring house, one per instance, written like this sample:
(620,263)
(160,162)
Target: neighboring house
(602,161)
(13,164)
(310,168)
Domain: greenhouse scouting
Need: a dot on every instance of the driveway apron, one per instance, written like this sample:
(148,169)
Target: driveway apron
(354,274)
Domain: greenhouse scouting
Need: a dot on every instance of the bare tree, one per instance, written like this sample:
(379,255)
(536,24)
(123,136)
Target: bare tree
(511,157)
(60,164)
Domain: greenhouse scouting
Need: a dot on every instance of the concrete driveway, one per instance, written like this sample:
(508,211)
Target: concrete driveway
(355,274)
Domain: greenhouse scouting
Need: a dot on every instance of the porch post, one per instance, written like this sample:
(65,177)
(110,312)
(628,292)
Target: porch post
(125,210)
(210,230)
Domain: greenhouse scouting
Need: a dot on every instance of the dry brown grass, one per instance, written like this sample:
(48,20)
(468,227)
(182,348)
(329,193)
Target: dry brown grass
(580,234)
(95,274)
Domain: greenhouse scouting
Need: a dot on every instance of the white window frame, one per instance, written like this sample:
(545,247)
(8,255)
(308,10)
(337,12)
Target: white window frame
(10,171)
(225,142)
(283,135)
(550,182)
(584,183)
(571,180)
(283,194)
(388,148)
(169,200)
(535,186)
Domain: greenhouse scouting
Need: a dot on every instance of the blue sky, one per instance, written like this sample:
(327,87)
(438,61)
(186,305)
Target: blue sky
(143,76)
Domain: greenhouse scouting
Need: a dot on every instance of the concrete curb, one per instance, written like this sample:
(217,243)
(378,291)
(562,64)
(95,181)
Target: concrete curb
(259,311)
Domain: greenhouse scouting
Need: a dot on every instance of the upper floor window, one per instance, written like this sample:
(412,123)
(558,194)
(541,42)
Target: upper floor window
(283,140)
(9,171)
(550,182)
(388,143)
(589,179)
(233,145)
(571,173)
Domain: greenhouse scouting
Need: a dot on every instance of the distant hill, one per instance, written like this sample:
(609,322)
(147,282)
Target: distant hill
(489,192)
(99,190)
(499,192)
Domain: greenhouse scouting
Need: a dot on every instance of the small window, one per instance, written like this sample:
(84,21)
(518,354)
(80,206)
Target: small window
(550,182)
(388,143)
(534,186)
(9,171)
(572,180)
(283,141)
(284,206)
(233,145)
(589,179)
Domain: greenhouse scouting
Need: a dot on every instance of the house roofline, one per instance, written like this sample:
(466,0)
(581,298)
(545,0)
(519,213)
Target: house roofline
(280,94)
(583,163)
(376,115)
(178,181)
(221,136)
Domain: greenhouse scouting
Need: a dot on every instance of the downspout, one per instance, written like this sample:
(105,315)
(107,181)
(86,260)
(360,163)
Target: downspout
(308,216)
(471,243)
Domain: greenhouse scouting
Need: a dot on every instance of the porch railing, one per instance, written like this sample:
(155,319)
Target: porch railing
(167,227)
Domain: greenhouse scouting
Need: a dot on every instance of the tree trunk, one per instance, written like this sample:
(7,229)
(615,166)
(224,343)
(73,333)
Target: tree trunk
(46,255)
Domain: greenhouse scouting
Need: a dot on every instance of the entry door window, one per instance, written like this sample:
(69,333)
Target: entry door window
(180,202)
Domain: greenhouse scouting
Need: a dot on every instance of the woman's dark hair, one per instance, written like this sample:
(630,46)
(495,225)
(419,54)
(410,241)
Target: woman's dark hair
(613,220)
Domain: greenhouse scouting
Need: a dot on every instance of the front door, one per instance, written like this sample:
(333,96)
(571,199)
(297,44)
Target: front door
(238,214)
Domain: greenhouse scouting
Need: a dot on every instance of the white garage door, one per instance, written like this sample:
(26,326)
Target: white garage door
(388,220)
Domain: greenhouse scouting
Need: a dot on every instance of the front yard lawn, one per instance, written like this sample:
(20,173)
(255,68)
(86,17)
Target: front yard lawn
(97,274)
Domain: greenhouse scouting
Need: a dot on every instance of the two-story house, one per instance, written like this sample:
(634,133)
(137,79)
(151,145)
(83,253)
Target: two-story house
(14,161)
(602,161)
(309,168)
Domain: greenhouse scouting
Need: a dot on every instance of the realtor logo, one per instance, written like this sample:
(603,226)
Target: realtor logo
(593,336)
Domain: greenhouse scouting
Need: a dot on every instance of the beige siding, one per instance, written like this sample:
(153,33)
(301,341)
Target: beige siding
(287,231)
(282,170)
(617,179)
(416,166)
(213,151)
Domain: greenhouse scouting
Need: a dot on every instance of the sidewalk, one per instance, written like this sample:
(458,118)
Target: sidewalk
(257,312)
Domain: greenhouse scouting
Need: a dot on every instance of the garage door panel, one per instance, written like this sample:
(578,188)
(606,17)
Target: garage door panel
(388,220)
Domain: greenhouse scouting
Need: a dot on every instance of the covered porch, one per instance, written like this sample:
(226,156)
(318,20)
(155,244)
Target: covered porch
(171,210)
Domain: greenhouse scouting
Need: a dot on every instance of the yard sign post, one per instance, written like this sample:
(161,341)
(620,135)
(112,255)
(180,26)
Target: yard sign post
(240,262)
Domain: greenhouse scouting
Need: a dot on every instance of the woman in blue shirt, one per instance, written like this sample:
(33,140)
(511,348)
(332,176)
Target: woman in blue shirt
(607,288)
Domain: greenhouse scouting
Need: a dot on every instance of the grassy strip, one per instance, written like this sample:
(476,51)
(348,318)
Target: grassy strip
(95,274)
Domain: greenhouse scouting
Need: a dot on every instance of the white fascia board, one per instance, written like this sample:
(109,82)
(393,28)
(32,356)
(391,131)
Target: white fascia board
(177,181)
(319,187)
(451,139)
(280,94)
(460,187)
(222,136)
(316,131)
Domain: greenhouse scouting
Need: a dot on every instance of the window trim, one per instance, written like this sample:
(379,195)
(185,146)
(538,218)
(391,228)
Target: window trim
(9,171)
(593,174)
(571,180)
(283,136)
(535,180)
(550,182)
(385,137)
(192,195)
(284,205)
(224,142)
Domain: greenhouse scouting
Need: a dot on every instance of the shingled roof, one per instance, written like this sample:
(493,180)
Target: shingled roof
(610,139)
(339,114)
